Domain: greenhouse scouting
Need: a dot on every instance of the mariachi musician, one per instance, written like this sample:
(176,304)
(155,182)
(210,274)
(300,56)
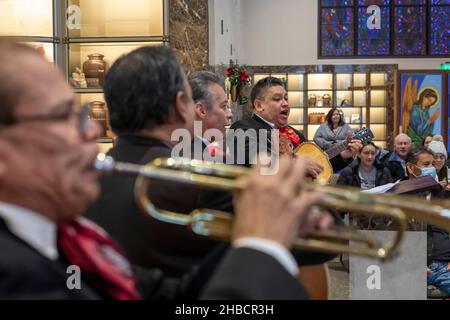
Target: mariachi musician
(271,111)
(269,99)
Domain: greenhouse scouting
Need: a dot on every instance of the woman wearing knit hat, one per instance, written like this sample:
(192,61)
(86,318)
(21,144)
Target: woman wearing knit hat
(440,159)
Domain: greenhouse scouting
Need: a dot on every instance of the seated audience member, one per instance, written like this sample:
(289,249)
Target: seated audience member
(47,180)
(426,142)
(333,131)
(440,160)
(420,164)
(395,160)
(366,172)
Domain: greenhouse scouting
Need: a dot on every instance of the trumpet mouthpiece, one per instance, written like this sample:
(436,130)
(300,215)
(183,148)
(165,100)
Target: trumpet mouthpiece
(104,163)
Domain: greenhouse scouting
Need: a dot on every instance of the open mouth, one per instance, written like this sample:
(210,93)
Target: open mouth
(285,113)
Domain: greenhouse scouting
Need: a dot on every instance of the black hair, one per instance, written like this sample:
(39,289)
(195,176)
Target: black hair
(260,88)
(425,139)
(200,82)
(329,117)
(414,157)
(141,88)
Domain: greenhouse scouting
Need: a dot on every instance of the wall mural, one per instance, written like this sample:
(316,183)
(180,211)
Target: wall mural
(421,105)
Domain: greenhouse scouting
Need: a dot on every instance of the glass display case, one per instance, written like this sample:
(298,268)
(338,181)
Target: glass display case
(85,37)
(362,96)
(97,33)
(32,21)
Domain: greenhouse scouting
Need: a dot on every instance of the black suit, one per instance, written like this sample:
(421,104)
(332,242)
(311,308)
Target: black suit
(150,243)
(256,123)
(252,146)
(25,274)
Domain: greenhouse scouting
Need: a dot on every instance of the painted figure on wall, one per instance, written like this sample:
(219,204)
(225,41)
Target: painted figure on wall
(421,110)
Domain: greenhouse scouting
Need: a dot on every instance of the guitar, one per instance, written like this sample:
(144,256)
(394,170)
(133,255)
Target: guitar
(313,151)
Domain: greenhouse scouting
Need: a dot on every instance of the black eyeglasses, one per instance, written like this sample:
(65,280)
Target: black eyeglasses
(82,117)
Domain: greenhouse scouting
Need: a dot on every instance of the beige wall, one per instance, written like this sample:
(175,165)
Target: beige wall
(284,32)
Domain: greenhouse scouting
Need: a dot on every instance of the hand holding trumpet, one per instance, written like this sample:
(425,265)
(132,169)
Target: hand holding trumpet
(271,207)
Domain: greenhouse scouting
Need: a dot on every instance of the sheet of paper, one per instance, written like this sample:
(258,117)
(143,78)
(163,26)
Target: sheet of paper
(381,189)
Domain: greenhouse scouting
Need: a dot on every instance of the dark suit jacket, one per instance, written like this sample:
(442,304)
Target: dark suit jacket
(26,274)
(252,146)
(256,123)
(244,274)
(147,242)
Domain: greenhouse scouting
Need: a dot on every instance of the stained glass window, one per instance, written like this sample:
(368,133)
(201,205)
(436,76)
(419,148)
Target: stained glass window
(337,3)
(434,2)
(393,28)
(440,30)
(409,2)
(373,41)
(371,2)
(337,32)
(410,31)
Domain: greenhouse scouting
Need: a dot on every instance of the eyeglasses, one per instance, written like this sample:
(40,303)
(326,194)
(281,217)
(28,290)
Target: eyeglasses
(82,117)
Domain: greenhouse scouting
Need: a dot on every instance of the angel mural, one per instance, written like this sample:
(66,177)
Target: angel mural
(418,117)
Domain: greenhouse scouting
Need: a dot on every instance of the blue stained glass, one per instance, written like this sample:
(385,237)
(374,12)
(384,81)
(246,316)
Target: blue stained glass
(433,2)
(440,30)
(337,3)
(373,41)
(410,2)
(377,2)
(448,101)
(410,31)
(337,32)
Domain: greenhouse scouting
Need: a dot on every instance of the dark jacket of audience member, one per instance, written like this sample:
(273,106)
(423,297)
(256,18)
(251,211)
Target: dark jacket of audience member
(350,175)
(438,239)
(393,162)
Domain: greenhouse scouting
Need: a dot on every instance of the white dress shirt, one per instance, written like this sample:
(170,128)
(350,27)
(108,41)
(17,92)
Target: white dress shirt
(271,248)
(269,123)
(35,229)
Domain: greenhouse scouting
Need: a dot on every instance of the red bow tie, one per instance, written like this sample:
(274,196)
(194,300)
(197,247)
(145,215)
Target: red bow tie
(100,259)
(291,135)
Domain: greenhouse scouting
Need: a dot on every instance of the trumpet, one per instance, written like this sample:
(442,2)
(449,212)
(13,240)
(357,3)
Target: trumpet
(218,225)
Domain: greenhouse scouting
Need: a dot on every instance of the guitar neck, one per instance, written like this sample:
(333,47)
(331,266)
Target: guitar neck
(336,149)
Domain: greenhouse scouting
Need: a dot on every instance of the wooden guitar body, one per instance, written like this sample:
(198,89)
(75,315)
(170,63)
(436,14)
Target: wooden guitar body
(315,280)
(312,151)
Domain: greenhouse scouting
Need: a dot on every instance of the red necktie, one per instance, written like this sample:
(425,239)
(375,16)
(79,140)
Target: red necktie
(100,260)
(291,135)
(214,151)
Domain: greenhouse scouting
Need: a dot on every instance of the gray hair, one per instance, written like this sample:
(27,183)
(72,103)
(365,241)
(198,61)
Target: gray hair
(200,82)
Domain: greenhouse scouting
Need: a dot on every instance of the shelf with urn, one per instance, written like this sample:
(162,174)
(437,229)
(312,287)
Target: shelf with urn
(85,37)
(106,30)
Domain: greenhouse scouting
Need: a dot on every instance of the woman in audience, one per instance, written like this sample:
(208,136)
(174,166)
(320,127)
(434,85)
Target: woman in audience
(334,130)
(426,141)
(365,172)
(440,158)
